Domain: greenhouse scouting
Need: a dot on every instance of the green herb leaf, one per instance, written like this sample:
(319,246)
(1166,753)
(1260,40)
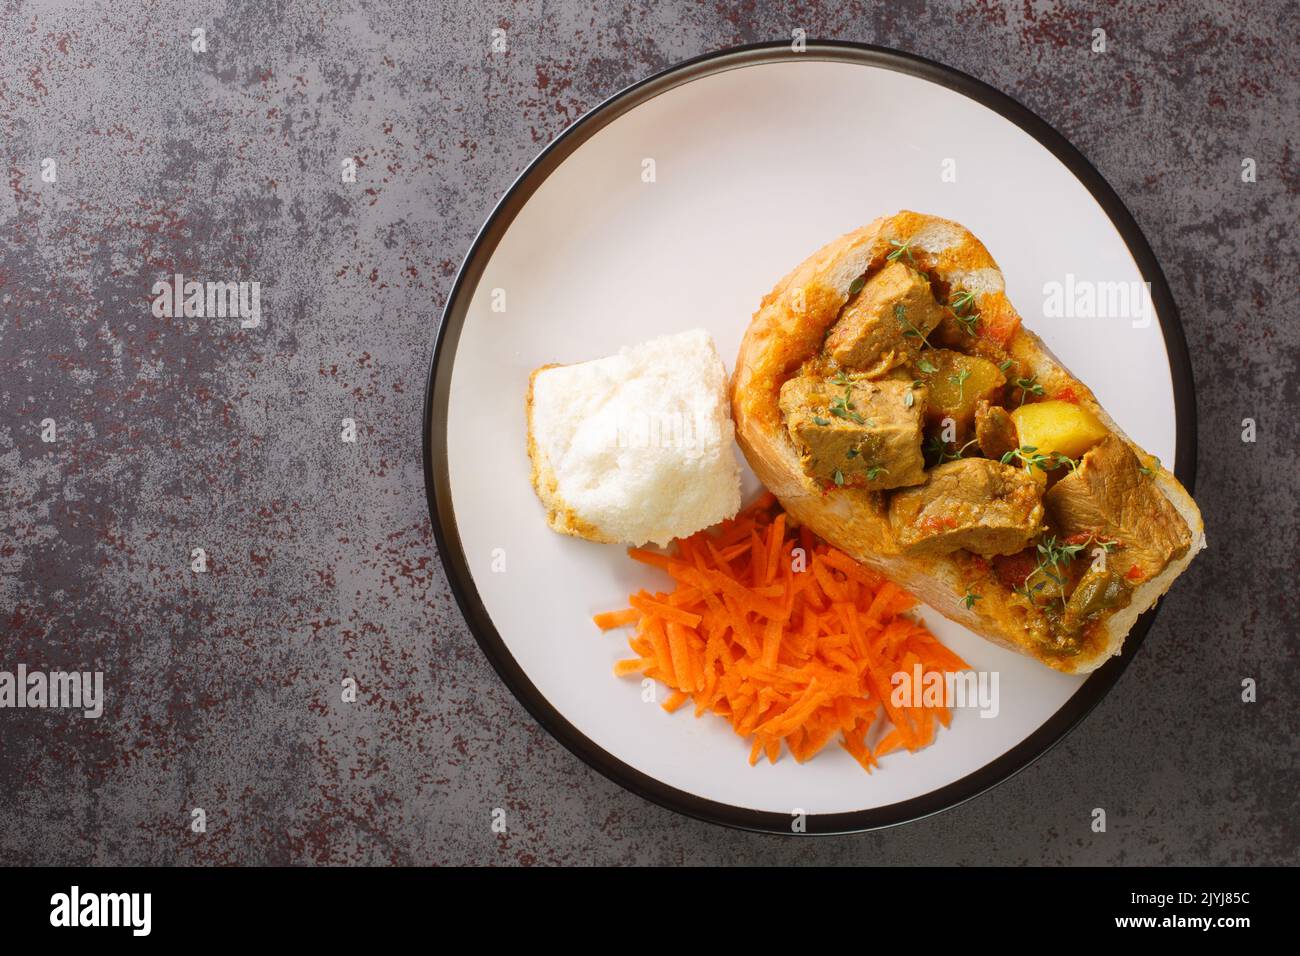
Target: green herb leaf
(818,420)
(962,301)
(900,249)
(960,381)
(909,330)
(938,449)
(1032,458)
(839,477)
(962,305)
(842,407)
(1028,386)
(856,285)
(925,365)
(1052,557)
(969,323)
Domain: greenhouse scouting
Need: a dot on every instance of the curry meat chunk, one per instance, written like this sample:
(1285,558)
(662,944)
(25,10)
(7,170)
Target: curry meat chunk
(869,433)
(882,326)
(1110,497)
(981,505)
(995,431)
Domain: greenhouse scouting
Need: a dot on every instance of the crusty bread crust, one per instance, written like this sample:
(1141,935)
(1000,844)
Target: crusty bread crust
(788,328)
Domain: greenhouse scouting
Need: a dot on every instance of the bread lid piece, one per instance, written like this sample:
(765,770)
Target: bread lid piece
(637,446)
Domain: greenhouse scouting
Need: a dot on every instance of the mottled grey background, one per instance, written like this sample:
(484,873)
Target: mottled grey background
(178,433)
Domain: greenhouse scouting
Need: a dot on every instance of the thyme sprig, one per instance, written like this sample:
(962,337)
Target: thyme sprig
(938,448)
(909,330)
(1052,557)
(842,407)
(962,305)
(960,381)
(1032,458)
(1028,386)
(900,249)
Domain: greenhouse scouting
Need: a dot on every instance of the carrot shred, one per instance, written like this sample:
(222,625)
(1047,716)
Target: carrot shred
(663,653)
(666,612)
(675,700)
(888,743)
(759,565)
(791,649)
(652,558)
(775,538)
(611,619)
(634,665)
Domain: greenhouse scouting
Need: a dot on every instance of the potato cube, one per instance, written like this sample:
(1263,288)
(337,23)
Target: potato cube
(1057,427)
(957,383)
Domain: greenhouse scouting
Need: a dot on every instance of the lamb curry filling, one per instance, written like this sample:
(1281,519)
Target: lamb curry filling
(915,397)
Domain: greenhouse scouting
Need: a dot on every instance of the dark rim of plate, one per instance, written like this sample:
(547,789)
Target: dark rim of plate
(437,485)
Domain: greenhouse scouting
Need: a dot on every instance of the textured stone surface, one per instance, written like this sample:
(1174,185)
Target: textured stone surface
(177,433)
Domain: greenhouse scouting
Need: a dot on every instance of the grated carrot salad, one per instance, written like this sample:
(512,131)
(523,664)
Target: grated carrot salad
(792,649)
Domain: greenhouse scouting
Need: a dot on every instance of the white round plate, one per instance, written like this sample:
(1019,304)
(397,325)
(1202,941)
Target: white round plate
(760,155)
